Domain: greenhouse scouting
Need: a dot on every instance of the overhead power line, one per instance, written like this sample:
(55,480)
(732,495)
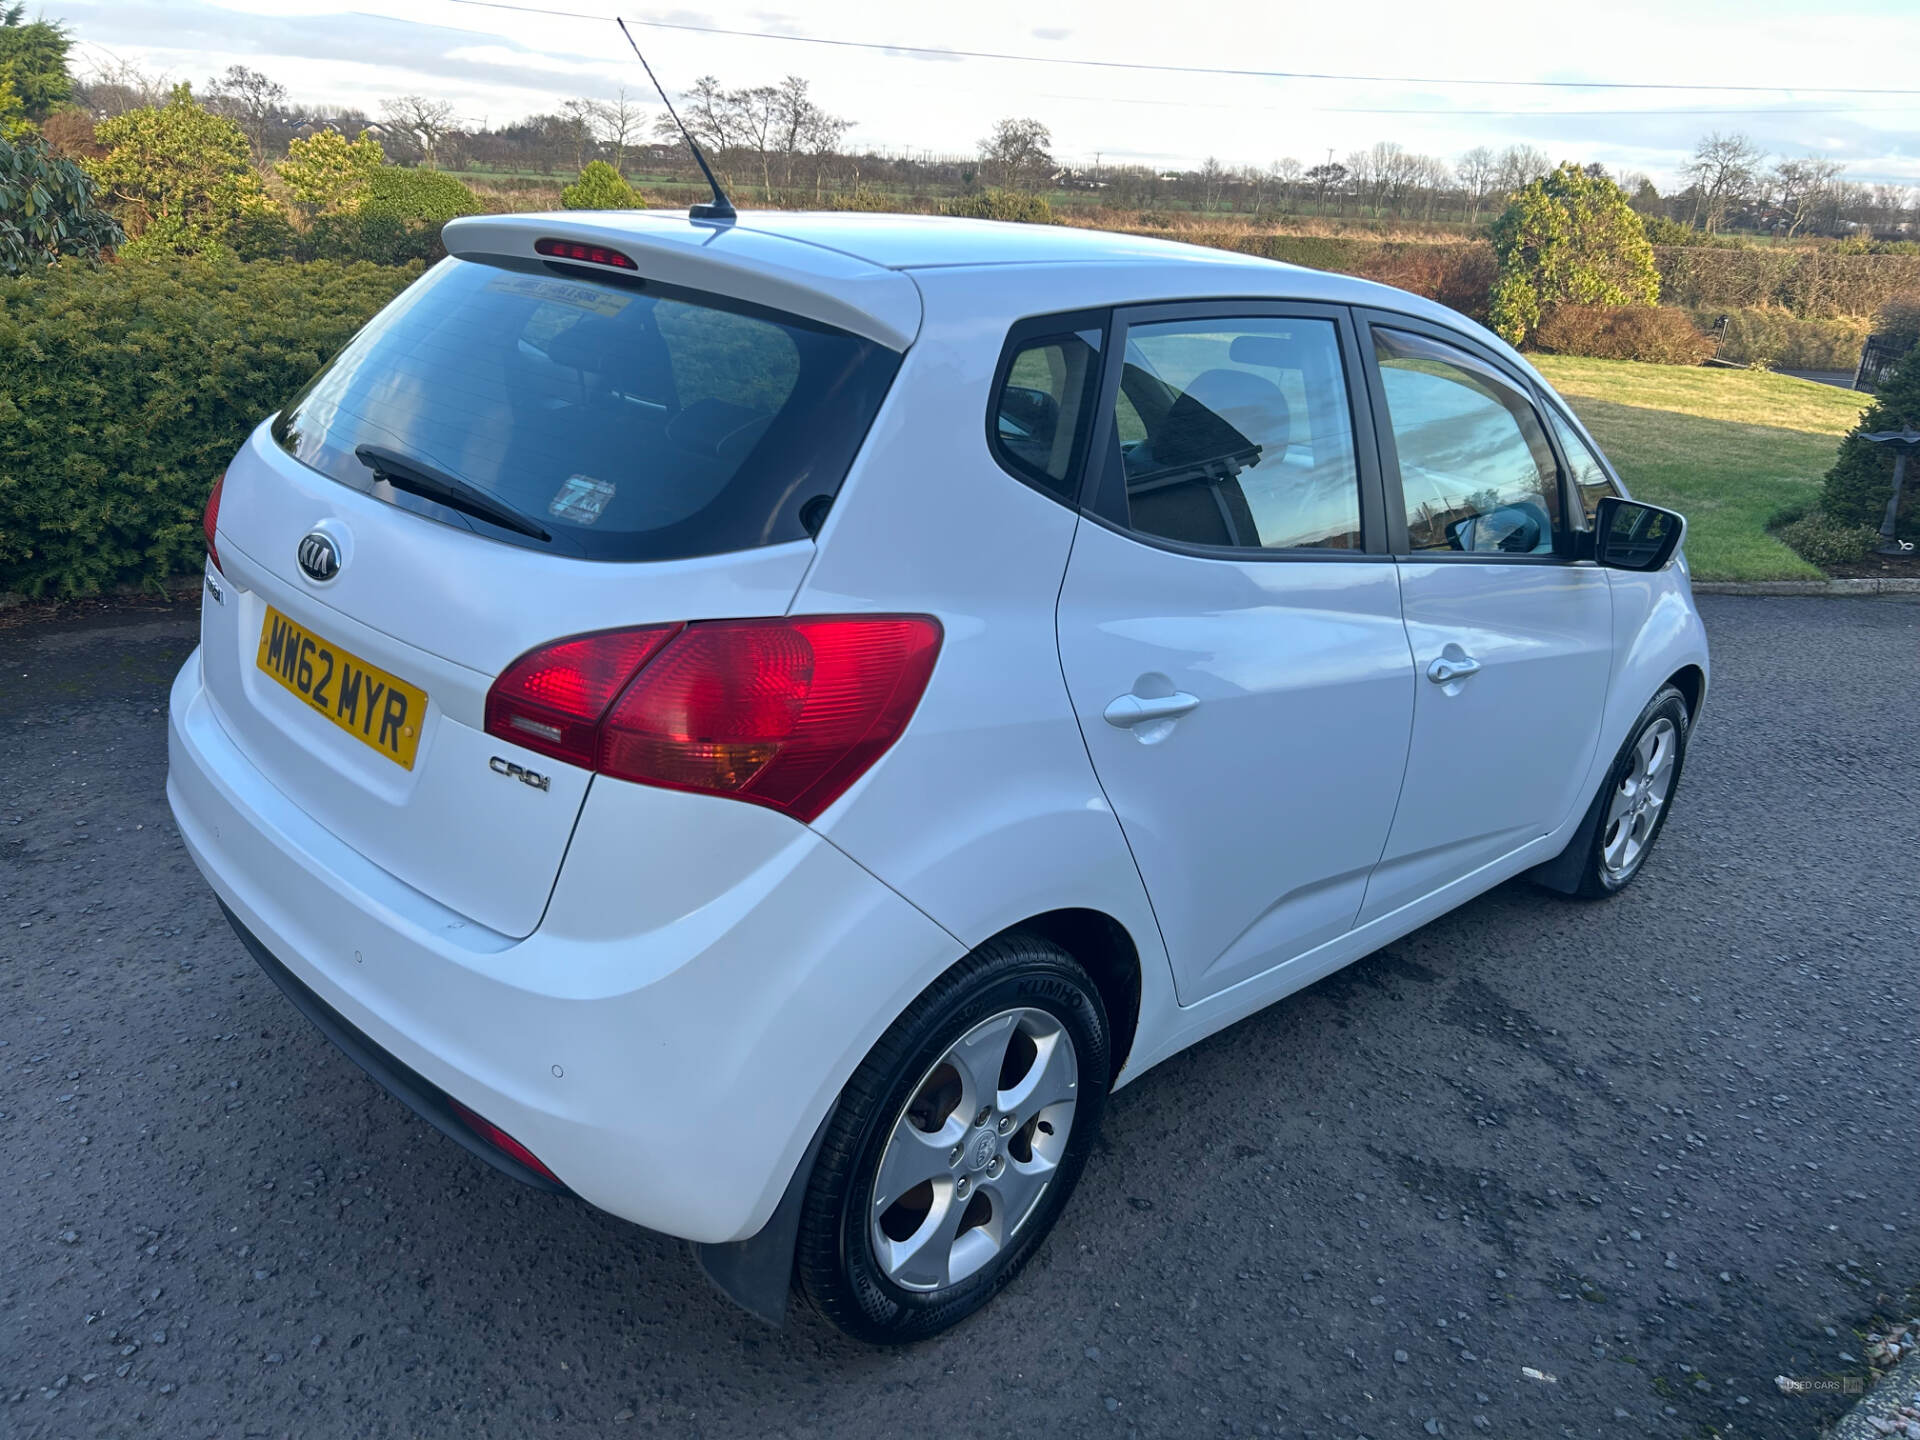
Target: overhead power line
(1534,114)
(944,53)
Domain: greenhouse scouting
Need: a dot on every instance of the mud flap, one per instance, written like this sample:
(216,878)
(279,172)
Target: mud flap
(757,1273)
(1563,872)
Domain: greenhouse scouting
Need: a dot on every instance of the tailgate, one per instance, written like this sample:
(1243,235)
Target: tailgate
(441,611)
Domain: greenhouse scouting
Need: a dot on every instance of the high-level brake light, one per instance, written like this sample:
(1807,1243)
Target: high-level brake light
(592,254)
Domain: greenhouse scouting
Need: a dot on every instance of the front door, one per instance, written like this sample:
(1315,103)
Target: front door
(1511,641)
(1230,632)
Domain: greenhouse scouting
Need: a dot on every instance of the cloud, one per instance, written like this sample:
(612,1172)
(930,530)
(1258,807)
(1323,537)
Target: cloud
(185,30)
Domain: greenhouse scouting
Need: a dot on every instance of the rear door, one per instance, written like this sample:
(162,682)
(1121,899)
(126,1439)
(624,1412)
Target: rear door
(1511,640)
(1230,631)
(505,456)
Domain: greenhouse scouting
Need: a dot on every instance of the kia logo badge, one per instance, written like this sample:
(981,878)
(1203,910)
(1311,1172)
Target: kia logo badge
(319,556)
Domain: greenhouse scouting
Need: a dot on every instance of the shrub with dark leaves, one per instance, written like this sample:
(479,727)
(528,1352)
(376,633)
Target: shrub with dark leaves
(125,390)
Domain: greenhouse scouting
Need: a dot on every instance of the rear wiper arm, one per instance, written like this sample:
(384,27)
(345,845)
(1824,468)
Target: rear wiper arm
(419,478)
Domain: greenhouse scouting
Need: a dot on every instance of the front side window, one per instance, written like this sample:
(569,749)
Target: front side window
(1237,432)
(1476,471)
(604,421)
(1588,473)
(1039,420)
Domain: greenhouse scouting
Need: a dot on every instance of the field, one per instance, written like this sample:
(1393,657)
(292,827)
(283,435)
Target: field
(1729,448)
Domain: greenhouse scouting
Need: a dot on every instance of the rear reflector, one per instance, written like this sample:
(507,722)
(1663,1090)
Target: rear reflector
(211,519)
(501,1141)
(592,254)
(785,713)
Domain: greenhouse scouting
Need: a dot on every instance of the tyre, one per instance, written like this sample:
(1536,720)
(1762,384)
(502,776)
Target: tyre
(956,1144)
(1634,803)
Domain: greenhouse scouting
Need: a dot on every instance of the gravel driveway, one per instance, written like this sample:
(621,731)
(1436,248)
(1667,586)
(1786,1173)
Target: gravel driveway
(1538,1169)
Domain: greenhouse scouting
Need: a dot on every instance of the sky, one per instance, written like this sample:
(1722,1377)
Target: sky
(496,65)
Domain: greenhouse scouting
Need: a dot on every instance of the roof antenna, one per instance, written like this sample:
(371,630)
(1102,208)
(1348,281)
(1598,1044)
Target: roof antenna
(722,208)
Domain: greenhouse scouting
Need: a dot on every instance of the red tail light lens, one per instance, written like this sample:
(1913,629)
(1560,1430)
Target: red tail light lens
(212,518)
(785,713)
(552,699)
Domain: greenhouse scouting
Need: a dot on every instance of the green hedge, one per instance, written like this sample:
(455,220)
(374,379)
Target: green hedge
(1650,334)
(1813,284)
(125,389)
(1014,205)
(1774,339)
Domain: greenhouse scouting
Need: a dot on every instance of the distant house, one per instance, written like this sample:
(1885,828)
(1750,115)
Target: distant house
(1069,179)
(352,126)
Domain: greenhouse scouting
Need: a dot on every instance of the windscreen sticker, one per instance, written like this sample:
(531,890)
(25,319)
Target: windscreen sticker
(580,500)
(563,292)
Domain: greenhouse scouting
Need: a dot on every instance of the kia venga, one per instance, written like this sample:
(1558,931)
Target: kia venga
(764,726)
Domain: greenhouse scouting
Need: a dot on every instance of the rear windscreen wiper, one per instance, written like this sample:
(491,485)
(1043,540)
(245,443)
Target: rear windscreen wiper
(417,477)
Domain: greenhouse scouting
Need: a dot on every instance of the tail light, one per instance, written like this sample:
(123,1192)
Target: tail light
(212,519)
(784,713)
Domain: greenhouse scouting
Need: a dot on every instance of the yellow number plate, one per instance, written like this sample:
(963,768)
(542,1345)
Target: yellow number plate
(380,710)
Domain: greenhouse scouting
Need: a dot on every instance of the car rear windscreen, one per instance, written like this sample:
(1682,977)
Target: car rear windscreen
(609,421)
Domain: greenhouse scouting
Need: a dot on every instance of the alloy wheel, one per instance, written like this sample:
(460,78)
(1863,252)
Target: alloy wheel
(973,1150)
(1638,801)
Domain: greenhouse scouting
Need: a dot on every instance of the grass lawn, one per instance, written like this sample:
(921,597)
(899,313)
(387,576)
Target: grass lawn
(1729,449)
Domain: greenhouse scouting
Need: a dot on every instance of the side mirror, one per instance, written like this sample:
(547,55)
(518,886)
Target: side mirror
(1628,535)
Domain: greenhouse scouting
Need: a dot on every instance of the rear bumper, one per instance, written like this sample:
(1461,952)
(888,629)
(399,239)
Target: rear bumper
(666,1044)
(415,1091)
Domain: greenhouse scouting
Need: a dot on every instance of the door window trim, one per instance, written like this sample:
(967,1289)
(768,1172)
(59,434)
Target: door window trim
(1557,409)
(1368,320)
(1103,490)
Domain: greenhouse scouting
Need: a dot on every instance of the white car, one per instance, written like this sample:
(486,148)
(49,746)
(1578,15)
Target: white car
(764,726)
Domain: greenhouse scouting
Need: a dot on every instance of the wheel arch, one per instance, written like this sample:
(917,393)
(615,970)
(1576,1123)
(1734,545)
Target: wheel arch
(1691,682)
(1108,954)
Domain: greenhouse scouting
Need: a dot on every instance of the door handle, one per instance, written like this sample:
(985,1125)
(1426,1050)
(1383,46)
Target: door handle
(1130,709)
(1449,668)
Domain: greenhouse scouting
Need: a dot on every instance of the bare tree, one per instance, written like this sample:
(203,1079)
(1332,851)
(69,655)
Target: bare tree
(619,122)
(1212,178)
(423,122)
(1724,169)
(1434,179)
(1287,171)
(755,112)
(1018,151)
(1382,175)
(1802,188)
(1476,172)
(115,86)
(822,138)
(707,115)
(251,101)
(1519,166)
(802,129)
(579,123)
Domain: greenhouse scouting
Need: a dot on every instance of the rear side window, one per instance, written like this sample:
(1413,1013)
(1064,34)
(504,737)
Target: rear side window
(1042,410)
(1236,433)
(625,421)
